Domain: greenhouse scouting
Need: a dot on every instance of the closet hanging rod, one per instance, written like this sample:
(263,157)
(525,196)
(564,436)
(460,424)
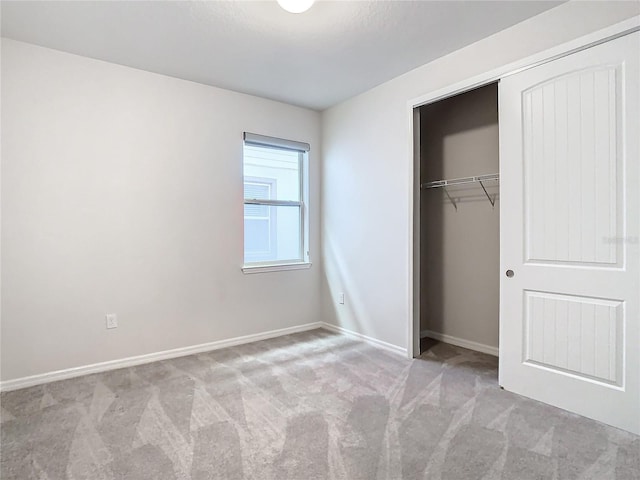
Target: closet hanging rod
(461,181)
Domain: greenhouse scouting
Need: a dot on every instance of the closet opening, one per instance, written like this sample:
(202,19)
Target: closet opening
(458,217)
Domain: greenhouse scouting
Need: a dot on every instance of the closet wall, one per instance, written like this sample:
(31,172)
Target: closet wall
(460,248)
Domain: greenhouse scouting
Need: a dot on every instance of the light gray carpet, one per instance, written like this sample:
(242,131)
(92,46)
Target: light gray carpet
(309,406)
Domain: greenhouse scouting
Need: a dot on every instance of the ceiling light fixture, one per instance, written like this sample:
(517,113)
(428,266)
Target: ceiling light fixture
(296,6)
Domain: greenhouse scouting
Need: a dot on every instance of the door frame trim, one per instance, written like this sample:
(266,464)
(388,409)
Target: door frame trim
(599,37)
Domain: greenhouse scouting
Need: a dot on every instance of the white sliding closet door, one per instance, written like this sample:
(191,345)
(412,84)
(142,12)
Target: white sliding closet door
(570,214)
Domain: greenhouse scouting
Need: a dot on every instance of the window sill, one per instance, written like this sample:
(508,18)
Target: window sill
(275,268)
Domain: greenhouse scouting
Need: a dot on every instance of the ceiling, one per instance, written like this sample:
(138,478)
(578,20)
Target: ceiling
(316,59)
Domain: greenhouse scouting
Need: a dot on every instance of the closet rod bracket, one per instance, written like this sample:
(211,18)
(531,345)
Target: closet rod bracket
(492,200)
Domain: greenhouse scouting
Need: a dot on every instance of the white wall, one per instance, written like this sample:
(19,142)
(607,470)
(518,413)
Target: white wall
(366,171)
(122,193)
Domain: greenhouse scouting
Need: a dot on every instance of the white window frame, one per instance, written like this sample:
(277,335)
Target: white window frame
(302,148)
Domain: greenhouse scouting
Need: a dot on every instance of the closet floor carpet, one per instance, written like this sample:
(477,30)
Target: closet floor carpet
(313,405)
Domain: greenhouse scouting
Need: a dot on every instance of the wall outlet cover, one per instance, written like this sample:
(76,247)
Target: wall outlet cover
(112,320)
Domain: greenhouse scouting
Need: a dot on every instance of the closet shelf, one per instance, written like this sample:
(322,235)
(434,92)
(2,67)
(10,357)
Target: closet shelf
(493,177)
(461,181)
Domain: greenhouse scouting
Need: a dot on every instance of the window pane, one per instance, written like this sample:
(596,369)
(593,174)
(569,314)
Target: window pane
(257,239)
(278,168)
(256,211)
(257,190)
(274,238)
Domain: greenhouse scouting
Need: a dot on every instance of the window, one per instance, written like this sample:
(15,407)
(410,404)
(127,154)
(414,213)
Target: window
(259,220)
(275,230)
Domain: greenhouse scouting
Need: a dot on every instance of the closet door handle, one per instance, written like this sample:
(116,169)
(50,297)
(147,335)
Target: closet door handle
(510,273)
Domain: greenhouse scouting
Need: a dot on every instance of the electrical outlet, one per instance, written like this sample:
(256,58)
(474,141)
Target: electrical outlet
(112,320)
(341,299)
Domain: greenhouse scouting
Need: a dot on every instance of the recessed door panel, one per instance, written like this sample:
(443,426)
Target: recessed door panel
(571,162)
(576,335)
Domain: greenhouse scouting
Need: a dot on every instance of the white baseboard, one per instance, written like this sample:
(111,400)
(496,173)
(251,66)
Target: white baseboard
(460,342)
(57,375)
(65,374)
(373,341)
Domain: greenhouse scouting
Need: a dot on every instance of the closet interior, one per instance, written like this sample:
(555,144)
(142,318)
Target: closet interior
(459,220)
